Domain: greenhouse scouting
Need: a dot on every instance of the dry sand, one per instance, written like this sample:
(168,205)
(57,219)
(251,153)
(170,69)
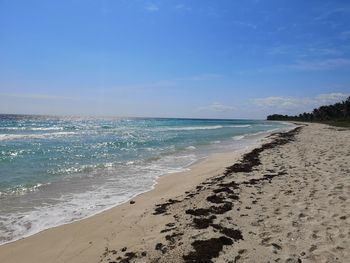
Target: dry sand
(285,201)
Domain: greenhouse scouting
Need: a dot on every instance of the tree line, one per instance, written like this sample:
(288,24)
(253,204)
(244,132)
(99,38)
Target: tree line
(337,112)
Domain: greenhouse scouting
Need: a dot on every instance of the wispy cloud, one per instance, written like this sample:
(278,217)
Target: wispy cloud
(163,84)
(36,96)
(182,7)
(331,98)
(289,104)
(319,65)
(217,107)
(345,35)
(311,50)
(179,6)
(244,24)
(281,102)
(201,77)
(152,8)
(151,86)
(281,50)
(315,51)
(331,13)
(304,65)
(206,76)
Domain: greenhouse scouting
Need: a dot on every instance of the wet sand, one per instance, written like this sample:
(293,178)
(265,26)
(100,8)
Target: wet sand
(287,200)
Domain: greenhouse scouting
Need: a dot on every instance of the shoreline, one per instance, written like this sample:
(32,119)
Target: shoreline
(221,160)
(253,140)
(285,199)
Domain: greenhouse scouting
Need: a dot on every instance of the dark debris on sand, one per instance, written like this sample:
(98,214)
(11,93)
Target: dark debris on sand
(162,208)
(251,159)
(205,250)
(224,194)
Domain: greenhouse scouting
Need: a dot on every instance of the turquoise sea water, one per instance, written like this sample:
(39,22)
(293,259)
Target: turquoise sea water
(54,170)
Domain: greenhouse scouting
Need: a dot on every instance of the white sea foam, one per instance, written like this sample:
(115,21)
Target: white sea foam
(238,137)
(264,132)
(8,137)
(193,128)
(70,207)
(13,153)
(241,126)
(21,190)
(54,128)
(81,168)
(191,147)
(46,128)
(265,125)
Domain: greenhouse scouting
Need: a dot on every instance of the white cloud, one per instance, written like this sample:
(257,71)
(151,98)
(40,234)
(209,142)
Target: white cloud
(325,64)
(162,84)
(331,13)
(179,6)
(152,8)
(345,35)
(200,77)
(182,7)
(281,50)
(36,96)
(281,102)
(206,76)
(307,66)
(217,107)
(309,50)
(244,24)
(319,51)
(331,98)
(293,104)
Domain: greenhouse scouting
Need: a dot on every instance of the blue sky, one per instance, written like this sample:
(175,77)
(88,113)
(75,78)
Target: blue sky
(173,58)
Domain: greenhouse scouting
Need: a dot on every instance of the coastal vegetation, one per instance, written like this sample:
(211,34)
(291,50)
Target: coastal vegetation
(337,114)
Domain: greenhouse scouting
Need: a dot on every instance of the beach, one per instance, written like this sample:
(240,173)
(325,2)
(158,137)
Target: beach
(285,199)
(56,170)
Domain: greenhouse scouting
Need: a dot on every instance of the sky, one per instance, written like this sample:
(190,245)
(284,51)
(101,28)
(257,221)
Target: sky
(173,58)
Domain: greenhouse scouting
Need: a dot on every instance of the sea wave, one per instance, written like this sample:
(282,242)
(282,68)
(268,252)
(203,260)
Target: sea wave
(241,126)
(8,137)
(11,153)
(84,169)
(20,190)
(54,128)
(191,147)
(264,125)
(193,128)
(69,207)
(264,132)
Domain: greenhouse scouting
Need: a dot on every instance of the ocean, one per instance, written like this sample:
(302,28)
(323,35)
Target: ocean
(55,170)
